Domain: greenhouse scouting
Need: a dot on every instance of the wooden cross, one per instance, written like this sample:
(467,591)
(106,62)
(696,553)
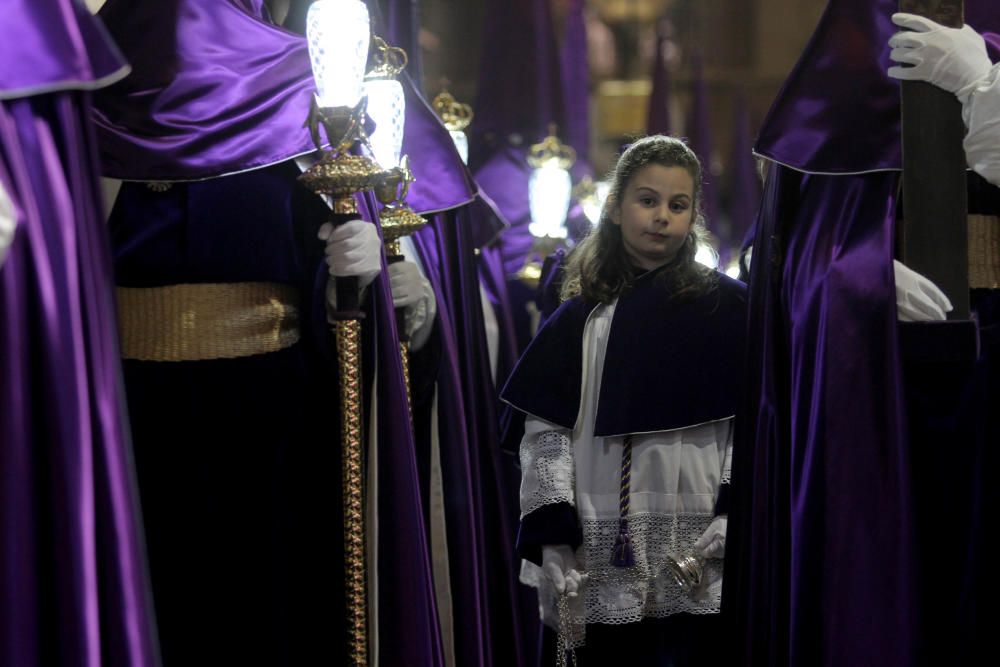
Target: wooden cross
(933,238)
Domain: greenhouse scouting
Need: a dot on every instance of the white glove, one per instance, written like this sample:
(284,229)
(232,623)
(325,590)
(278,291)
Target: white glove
(953,59)
(712,543)
(8,223)
(413,292)
(406,283)
(559,565)
(352,249)
(917,298)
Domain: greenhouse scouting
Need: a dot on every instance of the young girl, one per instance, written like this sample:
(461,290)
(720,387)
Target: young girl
(629,391)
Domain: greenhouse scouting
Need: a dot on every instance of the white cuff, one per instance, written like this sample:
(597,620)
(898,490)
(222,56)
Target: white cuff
(981,112)
(546,466)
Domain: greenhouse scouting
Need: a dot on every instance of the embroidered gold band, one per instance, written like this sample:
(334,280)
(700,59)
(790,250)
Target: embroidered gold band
(984,251)
(193,322)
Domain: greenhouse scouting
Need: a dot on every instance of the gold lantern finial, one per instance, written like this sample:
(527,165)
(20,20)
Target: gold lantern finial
(387,62)
(455,115)
(551,151)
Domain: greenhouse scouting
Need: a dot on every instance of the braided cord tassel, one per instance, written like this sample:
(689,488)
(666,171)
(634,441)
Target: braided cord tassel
(622,555)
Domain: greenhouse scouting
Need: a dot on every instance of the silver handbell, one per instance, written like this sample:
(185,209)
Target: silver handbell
(687,571)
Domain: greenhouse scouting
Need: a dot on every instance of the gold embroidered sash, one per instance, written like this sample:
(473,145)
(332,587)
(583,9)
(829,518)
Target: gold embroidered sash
(192,322)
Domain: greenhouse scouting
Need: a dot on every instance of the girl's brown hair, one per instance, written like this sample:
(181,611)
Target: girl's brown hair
(599,268)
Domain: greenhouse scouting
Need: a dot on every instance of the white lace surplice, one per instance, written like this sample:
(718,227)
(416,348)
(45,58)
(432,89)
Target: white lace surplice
(675,479)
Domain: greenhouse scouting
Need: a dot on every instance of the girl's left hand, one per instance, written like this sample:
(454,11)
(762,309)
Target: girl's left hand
(559,565)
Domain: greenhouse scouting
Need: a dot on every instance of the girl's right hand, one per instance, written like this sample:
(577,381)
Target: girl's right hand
(559,565)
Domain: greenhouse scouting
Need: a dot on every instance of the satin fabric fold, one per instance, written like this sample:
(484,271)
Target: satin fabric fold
(574,70)
(484,576)
(504,177)
(838,112)
(74,587)
(217,89)
(821,547)
(441,180)
(213,90)
(52,45)
(452,376)
(493,279)
(409,632)
(520,94)
(824,564)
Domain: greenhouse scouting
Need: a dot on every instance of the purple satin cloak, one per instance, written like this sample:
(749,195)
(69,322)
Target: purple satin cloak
(216,88)
(838,111)
(486,599)
(75,588)
(700,132)
(441,180)
(521,93)
(54,45)
(409,633)
(483,580)
(521,84)
(822,556)
(504,178)
(494,282)
(574,69)
(821,563)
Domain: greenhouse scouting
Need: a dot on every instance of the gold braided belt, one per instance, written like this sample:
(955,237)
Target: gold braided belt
(194,322)
(984,251)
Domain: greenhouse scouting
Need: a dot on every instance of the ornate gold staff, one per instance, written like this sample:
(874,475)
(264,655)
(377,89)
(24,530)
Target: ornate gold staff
(387,108)
(338,34)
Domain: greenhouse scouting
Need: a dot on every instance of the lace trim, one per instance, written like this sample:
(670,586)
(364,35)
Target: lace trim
(547,470)
(615,595)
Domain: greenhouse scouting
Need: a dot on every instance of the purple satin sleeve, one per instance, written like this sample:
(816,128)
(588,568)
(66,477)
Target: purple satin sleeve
(214,90)
(817,123)
(51,45)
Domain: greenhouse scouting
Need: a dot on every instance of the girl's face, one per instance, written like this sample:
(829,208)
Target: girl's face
(655,214)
